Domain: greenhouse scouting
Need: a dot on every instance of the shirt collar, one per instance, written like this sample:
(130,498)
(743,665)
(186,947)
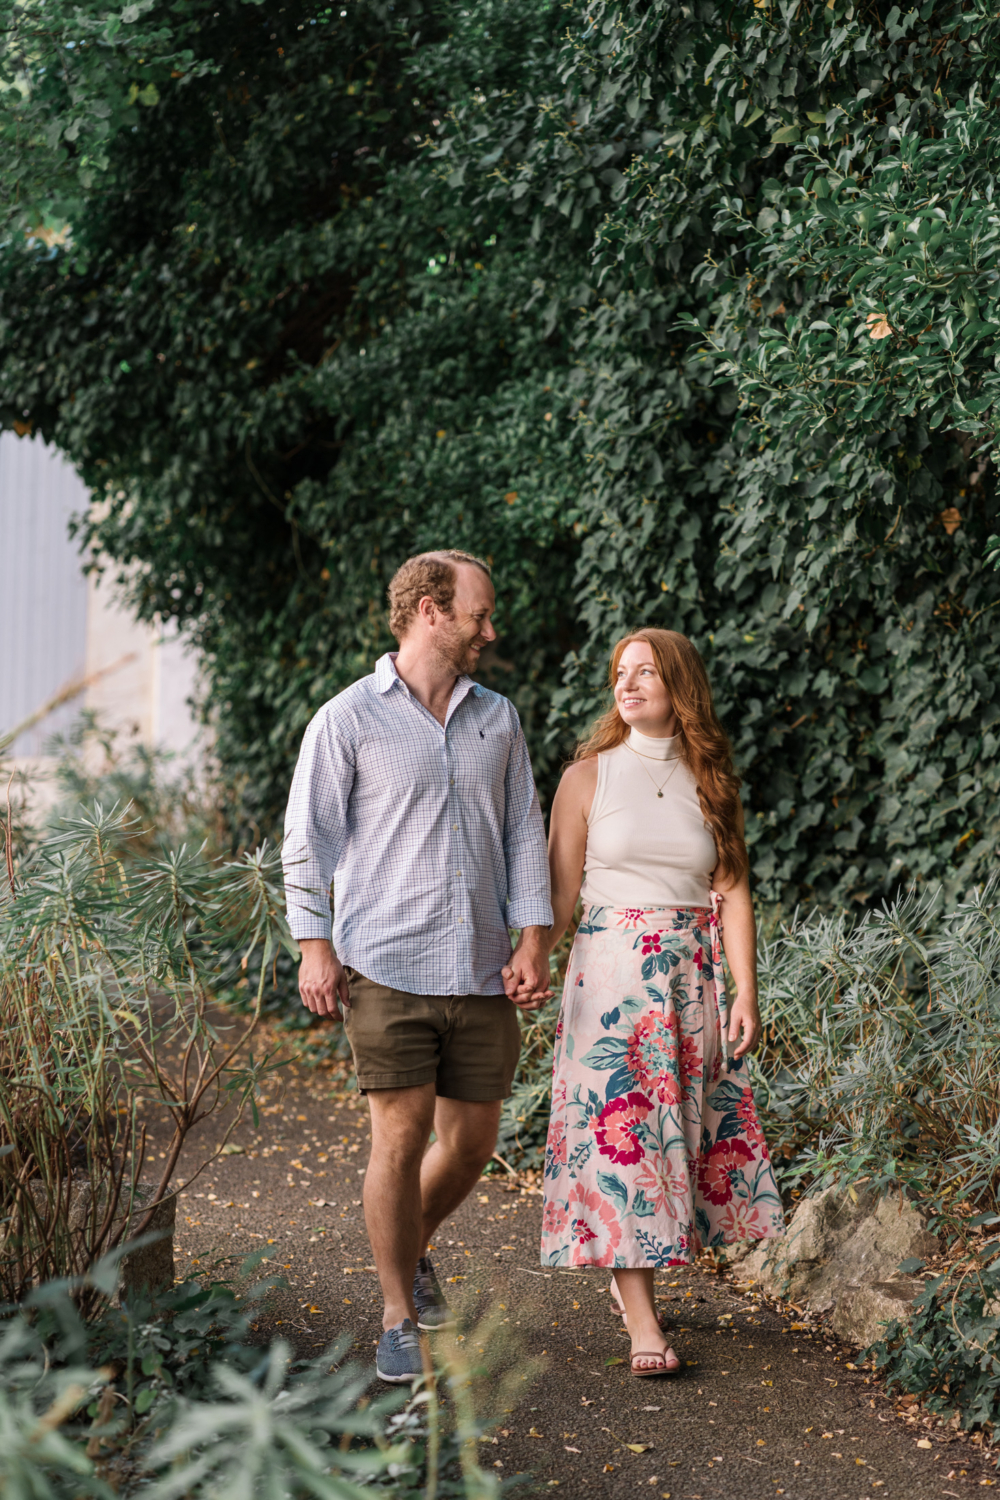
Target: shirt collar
(387,677)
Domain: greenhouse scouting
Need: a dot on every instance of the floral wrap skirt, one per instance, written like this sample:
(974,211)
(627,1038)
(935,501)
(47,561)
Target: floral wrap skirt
(654,1148)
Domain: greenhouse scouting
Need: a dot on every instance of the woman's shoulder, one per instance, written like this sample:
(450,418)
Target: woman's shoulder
(580,774)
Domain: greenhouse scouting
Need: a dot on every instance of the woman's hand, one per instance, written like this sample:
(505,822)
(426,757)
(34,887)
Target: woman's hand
(744,1017)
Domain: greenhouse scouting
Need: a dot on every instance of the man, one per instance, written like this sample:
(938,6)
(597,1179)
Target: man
(414,786)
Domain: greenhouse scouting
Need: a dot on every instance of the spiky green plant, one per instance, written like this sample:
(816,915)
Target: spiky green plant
(108,975)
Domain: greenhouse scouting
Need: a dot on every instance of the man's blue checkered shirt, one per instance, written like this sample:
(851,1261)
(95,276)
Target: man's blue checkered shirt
(433,836)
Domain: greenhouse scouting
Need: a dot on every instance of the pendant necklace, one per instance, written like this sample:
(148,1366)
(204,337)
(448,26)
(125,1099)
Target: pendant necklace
(673,767)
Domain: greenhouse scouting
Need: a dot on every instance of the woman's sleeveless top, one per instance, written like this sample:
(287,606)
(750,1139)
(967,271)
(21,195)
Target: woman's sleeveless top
(644,849)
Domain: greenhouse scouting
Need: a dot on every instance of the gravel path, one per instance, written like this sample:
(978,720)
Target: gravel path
(763,1407)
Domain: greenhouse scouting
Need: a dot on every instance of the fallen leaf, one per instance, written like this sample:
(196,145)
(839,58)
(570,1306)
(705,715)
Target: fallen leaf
(924,1443)
(568,1449)
(615,1361)
(637,1447)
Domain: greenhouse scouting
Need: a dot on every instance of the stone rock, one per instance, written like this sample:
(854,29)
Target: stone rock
(841,1255)
(151,1267)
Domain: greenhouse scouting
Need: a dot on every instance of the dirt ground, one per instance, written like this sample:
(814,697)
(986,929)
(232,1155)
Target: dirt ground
(763,1407)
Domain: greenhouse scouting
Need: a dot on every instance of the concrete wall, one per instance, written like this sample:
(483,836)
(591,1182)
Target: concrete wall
(58,627)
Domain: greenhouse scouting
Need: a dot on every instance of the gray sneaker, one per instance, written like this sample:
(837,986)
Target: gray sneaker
(398,1358)
(433,1311)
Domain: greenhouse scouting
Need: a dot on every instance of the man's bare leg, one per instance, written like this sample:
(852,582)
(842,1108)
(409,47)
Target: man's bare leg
(401,1126)
(466,1137)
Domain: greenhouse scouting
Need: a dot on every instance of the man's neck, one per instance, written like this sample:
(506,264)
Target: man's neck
(429,679)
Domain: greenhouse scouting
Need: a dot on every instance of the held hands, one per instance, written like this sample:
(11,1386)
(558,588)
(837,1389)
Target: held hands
(322,980)
(744,1016)
(526,977)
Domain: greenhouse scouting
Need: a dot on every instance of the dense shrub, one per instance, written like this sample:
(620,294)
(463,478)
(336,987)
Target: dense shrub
(946,1352)
(175,1398)
(109,972)
(684,314)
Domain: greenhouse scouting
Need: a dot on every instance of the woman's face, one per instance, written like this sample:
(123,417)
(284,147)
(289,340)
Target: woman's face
(641,694)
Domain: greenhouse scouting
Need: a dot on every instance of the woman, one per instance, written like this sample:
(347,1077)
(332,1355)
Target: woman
(654,1147)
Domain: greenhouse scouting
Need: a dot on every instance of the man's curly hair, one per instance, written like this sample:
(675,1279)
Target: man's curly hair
(429,574)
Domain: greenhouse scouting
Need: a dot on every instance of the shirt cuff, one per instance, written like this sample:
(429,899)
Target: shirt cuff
(307,924)
(529,913)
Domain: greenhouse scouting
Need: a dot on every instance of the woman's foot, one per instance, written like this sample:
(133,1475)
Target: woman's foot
(654,1362)
(619,1307)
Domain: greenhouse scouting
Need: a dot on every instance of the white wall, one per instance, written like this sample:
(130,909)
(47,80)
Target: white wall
(57,626)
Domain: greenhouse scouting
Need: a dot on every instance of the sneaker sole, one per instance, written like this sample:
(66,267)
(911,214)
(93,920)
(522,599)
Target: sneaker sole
(398,1379)
(436,1327)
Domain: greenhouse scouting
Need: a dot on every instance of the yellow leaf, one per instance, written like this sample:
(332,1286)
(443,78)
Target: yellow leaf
(615,1361)
(924,1443)
(510,496)
(637,1447)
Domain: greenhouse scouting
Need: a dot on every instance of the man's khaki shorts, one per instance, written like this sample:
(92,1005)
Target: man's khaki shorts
(468,1045)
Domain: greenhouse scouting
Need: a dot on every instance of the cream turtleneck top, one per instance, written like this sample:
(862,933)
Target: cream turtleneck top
(645,850)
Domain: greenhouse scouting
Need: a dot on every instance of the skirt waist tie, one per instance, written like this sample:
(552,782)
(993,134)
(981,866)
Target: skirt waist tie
(715,923)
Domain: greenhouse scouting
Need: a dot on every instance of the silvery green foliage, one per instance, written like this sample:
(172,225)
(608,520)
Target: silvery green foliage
(276,1436)
(38,1460)
(109,968)
(276,1432)
(881,1035)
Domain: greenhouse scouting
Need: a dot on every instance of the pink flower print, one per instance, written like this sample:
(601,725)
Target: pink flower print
(739,1220)
(721,1169)
(699,957)
(556,1145)
(615,1128)
(593,1226)
(746,1113)
(690,1060)
(559,1029)
(555,1218)
(664,1189)
(651,1056)
(651,943)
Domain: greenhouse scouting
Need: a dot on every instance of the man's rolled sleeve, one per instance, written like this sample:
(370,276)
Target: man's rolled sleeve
(528,897)
(316,825)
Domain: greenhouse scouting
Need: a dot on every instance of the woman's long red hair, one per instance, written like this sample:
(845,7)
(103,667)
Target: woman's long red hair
(705,746)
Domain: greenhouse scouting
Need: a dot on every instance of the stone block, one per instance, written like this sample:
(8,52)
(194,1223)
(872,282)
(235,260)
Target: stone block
(841,1255)
(151,1267)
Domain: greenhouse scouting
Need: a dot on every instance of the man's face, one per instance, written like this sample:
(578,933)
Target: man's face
(461,636)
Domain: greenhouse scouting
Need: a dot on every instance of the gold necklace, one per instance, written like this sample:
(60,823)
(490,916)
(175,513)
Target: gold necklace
(673,768)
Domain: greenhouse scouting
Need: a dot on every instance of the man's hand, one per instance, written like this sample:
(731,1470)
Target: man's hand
(744,1016)
(321,978)
(526,977)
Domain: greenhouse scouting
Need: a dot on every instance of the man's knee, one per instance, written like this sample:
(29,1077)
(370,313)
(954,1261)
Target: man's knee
(467,1130)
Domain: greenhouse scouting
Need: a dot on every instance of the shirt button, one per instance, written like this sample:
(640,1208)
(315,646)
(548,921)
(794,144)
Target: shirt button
(459,874)
(451,781)
(455,827)
(461,919)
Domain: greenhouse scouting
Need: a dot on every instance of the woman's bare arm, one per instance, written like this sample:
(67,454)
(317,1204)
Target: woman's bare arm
(739,942)
(568,841)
